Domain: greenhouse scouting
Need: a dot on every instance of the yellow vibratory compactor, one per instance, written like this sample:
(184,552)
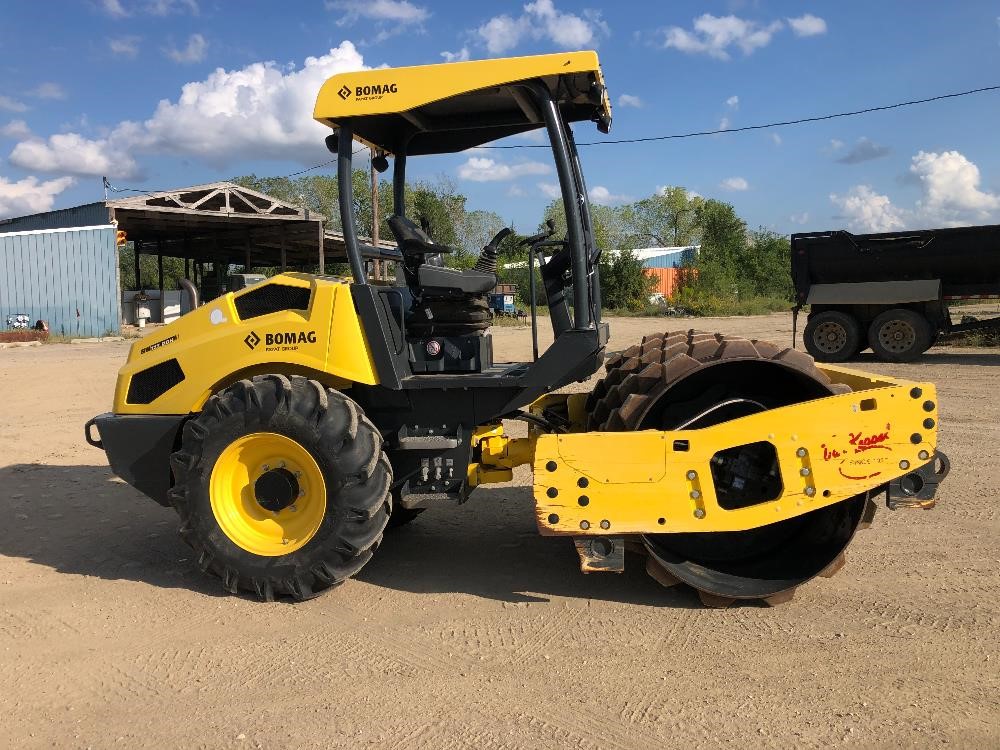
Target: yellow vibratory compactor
(290,422)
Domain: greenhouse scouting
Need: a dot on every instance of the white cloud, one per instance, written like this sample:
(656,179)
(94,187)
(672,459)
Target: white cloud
(835,144)
(600,194)
(516,191)
(12,105)
(72,153)
(542,21)
(807,25)
(868,211)
(800,219)
(114,8)
(951,189)
(29,196)
(733,102)
(550,190)
(714,35)
(126,46)
(776,139)
(737,184)
(16,129)
(481,169)
(628,100)
(49,90)
(166,7)
(461,56)
(724,123)
(262,111)
(194,52)
(395,11)
(951,196)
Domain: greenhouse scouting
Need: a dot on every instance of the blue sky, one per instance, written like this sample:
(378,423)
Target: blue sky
(159,94)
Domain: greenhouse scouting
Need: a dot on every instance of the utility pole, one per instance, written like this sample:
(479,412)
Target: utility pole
(375,216)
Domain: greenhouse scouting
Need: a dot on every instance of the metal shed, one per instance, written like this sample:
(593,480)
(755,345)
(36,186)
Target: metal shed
(67,277)
(221,224)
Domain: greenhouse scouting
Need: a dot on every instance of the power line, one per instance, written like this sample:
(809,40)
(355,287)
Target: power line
(149,191)
(798,121)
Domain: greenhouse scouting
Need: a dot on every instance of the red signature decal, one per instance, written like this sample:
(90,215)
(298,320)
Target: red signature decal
(862,442)
(858,442)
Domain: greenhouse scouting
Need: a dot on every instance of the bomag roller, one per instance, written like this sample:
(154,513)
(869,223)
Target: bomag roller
(289,423)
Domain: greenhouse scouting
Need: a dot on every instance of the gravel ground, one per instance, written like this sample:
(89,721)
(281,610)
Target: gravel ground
(470,630)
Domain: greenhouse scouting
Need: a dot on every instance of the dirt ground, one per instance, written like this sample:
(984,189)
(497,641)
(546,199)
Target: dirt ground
(468,630)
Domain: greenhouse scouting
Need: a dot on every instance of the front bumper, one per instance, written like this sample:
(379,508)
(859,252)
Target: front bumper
(138,448)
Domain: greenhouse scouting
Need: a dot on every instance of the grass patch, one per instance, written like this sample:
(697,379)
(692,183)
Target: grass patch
(983,338)
(702,305)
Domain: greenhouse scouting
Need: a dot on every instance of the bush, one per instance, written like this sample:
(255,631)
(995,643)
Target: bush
(714,305)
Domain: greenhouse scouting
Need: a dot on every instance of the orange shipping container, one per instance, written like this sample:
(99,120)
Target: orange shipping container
(667,280)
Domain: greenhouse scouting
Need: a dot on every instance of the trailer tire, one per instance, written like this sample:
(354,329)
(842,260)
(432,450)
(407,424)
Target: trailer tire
(900,335)
(832,336)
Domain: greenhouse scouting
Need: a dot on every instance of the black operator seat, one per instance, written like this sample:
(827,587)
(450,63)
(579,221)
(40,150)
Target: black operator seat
(415,244)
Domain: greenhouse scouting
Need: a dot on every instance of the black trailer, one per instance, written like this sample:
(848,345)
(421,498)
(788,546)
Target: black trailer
(890,291)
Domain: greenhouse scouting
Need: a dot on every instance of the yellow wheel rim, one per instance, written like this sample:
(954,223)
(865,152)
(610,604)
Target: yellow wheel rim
(236,482)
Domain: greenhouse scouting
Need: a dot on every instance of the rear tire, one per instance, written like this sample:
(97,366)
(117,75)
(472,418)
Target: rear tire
(332,478)
(832,336)
(900,335)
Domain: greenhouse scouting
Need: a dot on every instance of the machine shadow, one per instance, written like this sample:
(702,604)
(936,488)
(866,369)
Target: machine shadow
(81,520)
(490,547)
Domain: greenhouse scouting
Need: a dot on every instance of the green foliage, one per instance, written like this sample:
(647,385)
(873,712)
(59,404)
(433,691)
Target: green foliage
(624,281)
(173,270)
(668,218)
(736,272)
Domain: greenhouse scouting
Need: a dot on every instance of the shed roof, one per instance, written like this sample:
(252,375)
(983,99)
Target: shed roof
(219,220)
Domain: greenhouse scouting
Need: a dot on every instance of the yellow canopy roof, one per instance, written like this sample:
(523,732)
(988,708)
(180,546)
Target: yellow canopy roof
(450,107)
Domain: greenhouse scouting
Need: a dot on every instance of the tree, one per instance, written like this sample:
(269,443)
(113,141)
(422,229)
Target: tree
(625,285)
(723,249)
(173,270)
(668,218)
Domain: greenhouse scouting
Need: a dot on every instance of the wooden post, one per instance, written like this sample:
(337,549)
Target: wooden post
(136,252)
(322,250)
(159,278)
(284,257)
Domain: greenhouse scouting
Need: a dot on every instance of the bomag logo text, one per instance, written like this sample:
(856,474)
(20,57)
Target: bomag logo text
(290,338)
(375,91)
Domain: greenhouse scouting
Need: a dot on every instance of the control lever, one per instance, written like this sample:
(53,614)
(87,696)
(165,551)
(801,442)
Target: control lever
(543,235)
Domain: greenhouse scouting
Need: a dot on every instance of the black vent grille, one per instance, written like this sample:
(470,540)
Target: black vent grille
(271,298)
(148,385)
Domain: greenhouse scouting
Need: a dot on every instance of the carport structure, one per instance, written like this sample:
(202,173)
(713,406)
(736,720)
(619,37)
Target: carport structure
(225,224)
